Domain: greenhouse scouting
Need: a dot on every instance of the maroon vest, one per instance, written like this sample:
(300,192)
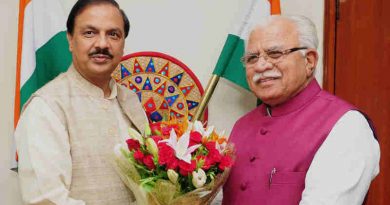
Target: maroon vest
(274,153)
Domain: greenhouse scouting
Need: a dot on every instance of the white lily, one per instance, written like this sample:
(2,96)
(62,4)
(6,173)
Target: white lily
(147,130)
(197,126)
(221,147)
(151,146)
(134,134)
(199,178)
(172,175)
(182,151)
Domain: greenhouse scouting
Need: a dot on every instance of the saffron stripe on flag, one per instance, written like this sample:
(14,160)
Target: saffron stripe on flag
(22,6)
(275,7)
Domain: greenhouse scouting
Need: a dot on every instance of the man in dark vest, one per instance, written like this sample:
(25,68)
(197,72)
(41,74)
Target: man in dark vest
(302,145)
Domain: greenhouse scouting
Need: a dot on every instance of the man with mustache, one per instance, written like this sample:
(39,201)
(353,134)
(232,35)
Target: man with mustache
(302,145)
(69,128)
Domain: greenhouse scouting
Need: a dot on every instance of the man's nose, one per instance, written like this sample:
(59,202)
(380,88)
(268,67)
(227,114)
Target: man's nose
(102,42)
(262,64)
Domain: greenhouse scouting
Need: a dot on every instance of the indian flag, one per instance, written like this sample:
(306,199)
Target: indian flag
(228,64)
(42,47)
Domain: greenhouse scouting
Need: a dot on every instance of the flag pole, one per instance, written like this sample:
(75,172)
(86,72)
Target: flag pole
(206,97)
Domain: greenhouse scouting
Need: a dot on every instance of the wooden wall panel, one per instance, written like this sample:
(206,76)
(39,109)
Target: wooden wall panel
(361,71)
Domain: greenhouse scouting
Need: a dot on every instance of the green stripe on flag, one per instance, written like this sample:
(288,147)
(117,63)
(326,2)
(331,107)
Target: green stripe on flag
(229,65)
(51,59)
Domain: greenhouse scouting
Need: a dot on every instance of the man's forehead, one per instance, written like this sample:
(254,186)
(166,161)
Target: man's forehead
(273,36)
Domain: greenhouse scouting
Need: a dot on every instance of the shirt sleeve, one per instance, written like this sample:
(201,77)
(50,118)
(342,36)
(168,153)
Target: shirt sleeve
(344,165)
(45,164)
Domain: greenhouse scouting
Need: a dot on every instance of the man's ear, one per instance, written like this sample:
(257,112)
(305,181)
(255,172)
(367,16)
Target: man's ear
(69,37)
(311,61)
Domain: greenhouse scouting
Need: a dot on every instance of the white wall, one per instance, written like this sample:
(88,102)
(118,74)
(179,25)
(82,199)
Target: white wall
(9,190)
(191,31)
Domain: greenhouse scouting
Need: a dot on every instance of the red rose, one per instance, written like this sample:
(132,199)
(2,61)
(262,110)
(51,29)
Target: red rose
(148,161)
(172,164)
(226,162)
(133,144)
(207,164)
(138,155)
(165,154)
(214,156)
(186,168)
(195,138)
(210,146)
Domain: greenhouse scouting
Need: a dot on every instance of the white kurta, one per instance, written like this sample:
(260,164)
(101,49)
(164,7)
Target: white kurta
(46,158)
(344,165)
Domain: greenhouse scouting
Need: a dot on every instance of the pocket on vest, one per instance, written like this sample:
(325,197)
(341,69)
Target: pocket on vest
(286,188)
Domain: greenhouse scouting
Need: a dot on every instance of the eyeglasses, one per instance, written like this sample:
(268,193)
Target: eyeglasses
(269,56)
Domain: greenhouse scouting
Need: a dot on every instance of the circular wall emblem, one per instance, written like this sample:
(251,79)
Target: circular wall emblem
(165,86)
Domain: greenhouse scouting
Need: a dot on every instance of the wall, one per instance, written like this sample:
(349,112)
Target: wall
(192,31)
(9,190)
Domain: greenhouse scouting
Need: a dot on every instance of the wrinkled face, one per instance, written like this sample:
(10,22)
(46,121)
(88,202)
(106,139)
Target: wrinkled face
(97,42)
(275,83)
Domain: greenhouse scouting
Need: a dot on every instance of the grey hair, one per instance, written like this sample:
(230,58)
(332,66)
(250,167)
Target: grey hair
(307,32)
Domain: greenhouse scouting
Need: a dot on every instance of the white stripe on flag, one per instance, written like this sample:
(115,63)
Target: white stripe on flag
(43,19)
(254,12)
(28,51)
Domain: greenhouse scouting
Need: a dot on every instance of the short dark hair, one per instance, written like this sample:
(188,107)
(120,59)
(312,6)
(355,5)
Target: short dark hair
(81,5)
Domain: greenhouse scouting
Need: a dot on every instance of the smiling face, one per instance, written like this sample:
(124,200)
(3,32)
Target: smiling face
(275,83)
(97,42)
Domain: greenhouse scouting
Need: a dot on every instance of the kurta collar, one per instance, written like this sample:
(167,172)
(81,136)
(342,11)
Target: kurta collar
(295,103)
(128,102)
(88,87)
(113,88)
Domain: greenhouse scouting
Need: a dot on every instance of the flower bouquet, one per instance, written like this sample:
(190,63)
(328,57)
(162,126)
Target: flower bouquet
(174,163)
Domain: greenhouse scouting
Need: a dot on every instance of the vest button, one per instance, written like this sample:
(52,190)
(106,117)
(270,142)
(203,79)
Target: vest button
(243,186)
(263,131)
(252,159)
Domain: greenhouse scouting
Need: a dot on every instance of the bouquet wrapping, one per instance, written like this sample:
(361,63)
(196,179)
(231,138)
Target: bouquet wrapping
(174,163)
